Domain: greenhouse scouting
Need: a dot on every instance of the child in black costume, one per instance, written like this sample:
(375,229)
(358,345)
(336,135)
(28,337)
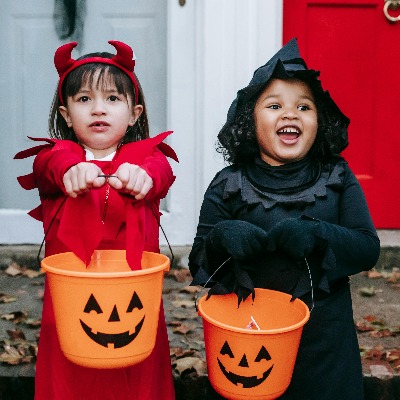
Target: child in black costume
(287,206)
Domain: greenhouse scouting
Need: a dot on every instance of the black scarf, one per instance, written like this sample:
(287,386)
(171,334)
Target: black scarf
(284,179)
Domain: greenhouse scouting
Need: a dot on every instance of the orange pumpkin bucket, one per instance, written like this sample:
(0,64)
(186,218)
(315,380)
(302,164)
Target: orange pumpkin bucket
(106,314)
(251,350)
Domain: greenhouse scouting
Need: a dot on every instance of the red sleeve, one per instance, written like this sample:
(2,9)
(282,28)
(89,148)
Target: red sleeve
(49,168)
(159,169)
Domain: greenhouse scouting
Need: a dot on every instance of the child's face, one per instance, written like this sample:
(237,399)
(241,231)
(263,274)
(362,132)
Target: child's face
(286,121)
(100,117)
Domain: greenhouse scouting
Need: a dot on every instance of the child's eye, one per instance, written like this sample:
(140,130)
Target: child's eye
(83,99)
(303,107)
(274,106)
(113,98)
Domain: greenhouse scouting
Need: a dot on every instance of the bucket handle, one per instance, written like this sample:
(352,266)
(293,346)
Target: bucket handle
(229,258)
(61,205)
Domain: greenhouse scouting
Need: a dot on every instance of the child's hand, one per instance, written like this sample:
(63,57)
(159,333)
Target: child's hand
(133,179)
(81,178)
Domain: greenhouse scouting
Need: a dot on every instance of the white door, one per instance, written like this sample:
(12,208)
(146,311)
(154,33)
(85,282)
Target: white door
(28,80)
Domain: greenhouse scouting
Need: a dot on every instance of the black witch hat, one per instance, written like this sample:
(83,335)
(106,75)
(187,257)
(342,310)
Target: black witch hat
(285,64)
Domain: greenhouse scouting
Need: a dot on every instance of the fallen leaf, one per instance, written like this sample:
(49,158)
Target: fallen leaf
(381,333)
(5,298)
(362,326)
(33,323)
(179,352)
(16,316)
(373,274)
(13,269)
(180,275)
(373,320)
(183,303)
(393,355)
(16,334)
(190,363)
(182,329)
(376,353)
(30,273)
(191,289)
(367,291)
(18,351)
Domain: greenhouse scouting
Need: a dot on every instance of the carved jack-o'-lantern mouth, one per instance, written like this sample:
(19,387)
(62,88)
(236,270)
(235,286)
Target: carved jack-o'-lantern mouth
(116,339)
(245,381)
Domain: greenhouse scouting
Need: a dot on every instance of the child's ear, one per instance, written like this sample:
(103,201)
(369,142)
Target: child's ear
(64,112)
(136,113)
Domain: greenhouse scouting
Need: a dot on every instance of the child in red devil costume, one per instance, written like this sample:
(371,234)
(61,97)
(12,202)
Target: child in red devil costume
(92,177)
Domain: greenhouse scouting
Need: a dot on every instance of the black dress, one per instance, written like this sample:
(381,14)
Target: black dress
(328,366)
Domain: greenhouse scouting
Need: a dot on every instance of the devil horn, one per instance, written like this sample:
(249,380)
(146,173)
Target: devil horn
(62,57)
(125,56)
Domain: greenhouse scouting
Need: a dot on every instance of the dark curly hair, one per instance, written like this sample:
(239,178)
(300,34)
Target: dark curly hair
(237,140)
(58,128)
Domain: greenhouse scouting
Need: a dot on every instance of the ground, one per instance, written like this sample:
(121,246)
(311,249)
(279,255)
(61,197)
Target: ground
(376,314)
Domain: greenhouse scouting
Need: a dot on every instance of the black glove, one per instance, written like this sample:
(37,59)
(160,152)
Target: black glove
(240,239)
(293,236)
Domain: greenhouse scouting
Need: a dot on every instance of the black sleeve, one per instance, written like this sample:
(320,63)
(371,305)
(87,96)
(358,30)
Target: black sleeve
(352,244)
(213,210)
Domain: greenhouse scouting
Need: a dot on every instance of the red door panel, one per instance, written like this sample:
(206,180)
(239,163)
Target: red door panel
(357,50)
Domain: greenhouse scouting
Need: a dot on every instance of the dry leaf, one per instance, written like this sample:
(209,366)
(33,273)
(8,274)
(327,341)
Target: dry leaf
(374,320)
(30,273)
(181,275)
(183,303)
(191,289)
(16,316)
(373,274)
(13,269)
(33,323)
(191,363)
(182,329)
(16,334)
(179,352)
(367,291)
(5,298)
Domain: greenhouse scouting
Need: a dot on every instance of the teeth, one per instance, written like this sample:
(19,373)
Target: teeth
(289,130)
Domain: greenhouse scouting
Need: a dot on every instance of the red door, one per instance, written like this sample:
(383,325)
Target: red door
(357,50)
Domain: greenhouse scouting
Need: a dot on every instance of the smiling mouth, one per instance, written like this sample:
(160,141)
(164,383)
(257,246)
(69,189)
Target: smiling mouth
(289,133)
(245,381)
(117,339)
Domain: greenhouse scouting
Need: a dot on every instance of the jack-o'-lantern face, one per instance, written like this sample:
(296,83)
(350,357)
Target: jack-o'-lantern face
(249,373)
(118,333)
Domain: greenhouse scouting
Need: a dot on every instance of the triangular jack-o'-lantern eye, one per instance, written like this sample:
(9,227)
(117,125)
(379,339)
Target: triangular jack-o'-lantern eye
(226,350)
(263,355)
(134,303)
(92,305)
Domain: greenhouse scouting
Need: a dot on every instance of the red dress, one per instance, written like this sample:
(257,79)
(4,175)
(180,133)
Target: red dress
(100,219)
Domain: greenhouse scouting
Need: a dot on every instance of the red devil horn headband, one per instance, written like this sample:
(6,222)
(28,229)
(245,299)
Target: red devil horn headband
(124,60)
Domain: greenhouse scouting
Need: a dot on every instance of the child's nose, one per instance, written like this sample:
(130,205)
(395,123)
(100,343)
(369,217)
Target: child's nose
(98,107)
(289,113)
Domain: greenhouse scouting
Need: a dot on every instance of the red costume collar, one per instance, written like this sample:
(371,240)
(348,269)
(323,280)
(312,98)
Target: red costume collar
(124,60)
